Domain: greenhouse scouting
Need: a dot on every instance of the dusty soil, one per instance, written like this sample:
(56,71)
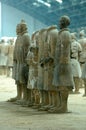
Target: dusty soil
(16,117)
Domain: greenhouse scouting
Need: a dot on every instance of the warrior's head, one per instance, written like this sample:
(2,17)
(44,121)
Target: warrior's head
(64,21)
(23,25)
(82,33)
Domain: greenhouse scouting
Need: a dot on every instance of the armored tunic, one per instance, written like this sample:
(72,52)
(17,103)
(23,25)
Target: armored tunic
(32,60)
(23,50)
(41,40)
(62,71)
(16,57)
(45,56)
(52,33)
(82,58)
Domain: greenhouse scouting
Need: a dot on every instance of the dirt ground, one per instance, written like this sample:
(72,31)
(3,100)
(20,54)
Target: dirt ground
(16,117)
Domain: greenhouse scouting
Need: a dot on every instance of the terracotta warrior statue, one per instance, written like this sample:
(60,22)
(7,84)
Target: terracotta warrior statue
(63,79)
(40,83)
(10,50)
(3,57)
(49,53)
(15,70)
(82,59)
(76,68)
(22,64)
(32,61)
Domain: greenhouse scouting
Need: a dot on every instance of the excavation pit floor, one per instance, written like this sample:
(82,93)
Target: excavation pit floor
(16,117)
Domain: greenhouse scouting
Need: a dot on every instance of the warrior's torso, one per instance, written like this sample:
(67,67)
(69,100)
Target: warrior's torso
(83,53)
(75,49)
(24,46)
(63,47)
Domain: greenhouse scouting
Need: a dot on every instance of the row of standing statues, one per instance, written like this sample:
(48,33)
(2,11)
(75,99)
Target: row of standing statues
(48,66)
(6,56)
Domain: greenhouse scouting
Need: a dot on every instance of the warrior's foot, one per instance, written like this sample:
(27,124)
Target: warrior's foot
(20,102)
(58,110)
(84,95)
(12,99)
(45,108)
